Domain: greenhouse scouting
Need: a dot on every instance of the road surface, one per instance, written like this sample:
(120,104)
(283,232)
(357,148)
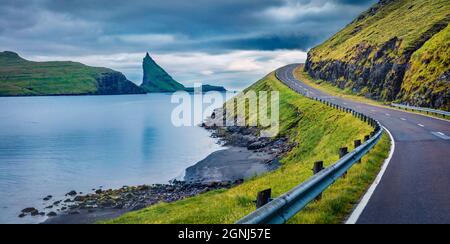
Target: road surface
(415,189)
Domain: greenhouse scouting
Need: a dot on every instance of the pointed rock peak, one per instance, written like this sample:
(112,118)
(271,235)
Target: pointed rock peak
(148,57)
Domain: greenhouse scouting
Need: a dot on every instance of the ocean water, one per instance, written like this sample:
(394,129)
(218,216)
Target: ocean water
(52,145)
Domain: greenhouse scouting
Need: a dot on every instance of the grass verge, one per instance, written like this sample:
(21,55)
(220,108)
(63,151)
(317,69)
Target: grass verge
(319,132)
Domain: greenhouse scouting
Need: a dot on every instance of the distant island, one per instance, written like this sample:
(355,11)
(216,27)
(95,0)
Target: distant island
(207,88)
(21,77)
(156,79)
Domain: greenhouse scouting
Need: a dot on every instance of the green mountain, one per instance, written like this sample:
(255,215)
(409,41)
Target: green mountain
(398,50)
(20,77)
(156,79)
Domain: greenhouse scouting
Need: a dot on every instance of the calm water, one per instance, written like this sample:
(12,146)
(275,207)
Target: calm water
(51,145)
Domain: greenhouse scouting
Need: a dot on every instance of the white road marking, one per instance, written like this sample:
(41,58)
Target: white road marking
(403,119)
(441,135)
(421,125)
(365,200)
(388,115)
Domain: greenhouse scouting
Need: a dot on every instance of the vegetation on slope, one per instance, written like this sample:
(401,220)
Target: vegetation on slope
(156,79)
(20,77)
(392,38)
(428,67)
(319,132)
(347,93)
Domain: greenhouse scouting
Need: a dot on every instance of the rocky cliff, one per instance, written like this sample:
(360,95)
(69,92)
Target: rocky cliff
(156,79)
(115,83)
(398,50)
(20,77)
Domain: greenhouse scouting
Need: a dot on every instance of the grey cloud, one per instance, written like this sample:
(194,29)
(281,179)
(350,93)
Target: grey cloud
(102,27)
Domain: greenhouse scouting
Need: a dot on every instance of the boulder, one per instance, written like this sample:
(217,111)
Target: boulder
(71,193)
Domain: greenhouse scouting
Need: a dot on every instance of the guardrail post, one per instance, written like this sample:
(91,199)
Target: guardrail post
(366,138)
(318,166)
(358,143)
(342,152)
(263,198)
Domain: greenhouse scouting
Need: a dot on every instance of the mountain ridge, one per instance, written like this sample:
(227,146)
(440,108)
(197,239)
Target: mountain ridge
(21,77)
(395,51)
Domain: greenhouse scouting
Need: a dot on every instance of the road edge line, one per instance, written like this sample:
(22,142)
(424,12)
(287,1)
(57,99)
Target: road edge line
(365,200)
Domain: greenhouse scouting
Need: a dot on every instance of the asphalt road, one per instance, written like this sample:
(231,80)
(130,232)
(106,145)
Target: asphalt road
(415,188)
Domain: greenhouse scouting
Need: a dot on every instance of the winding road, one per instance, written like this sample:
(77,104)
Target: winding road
(415,188)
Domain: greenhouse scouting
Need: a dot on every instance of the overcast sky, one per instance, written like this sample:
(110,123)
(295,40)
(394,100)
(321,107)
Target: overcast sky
(222,42)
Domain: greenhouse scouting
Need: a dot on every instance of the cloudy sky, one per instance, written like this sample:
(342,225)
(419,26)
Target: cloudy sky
(226,42)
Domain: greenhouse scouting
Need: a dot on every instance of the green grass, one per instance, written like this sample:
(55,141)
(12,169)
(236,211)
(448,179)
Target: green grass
(333,90)
(427,65)
(156,79)
(421,42)
(406,19)
(319,132)
(20,77)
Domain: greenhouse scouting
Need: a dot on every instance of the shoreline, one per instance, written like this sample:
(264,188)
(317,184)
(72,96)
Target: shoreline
(245,156)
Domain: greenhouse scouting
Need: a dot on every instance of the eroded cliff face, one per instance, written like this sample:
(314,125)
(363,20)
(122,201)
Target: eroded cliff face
(387,70)
(115,83)
(378,77)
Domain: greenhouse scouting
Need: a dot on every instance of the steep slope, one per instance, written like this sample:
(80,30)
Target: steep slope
(397,50)
(20,77)
(156,79)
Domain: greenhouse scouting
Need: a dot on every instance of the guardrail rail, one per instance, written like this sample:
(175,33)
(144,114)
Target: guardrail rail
(281,209)
(426,110)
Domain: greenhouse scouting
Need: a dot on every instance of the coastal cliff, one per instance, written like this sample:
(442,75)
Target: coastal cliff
(20,77)
(115,83)
(156,79)
(390,58)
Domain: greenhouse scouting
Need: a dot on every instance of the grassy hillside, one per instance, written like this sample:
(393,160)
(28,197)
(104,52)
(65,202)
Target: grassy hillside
(319,132)
(156,79)
(397,50)
(20,77)
(428,65)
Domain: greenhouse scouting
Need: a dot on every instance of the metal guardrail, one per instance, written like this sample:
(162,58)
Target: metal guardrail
(281,209)
(427,110)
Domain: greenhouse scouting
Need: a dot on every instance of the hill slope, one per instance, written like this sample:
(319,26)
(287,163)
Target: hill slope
(318,131)
(20,77)
(156,79)
(397,50)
